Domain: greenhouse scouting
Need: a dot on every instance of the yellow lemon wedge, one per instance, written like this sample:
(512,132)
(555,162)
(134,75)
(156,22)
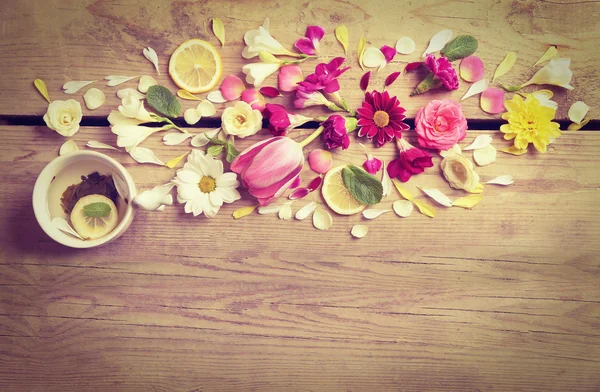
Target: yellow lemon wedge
(337,196)
(196,66)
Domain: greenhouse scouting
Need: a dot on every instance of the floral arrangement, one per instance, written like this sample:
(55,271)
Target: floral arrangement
(270,169)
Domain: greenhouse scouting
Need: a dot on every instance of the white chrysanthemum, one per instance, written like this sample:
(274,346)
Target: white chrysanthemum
(202,185)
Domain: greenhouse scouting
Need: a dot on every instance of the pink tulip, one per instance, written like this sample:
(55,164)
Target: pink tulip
(270,167)
(289,77)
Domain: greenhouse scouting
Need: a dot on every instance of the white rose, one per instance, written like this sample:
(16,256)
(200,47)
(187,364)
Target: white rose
(64,117)
(241,120)
(460,172)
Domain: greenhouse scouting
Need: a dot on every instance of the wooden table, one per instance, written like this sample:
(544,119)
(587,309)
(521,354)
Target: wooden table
(503,297)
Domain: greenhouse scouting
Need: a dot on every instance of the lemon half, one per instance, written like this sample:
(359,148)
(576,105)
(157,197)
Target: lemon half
(196,66)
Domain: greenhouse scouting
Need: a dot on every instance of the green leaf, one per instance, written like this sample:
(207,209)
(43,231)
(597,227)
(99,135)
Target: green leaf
(96,210)
(163,101)
(232,152)
(460,47)
(217,141)
(214,150)
(365,188)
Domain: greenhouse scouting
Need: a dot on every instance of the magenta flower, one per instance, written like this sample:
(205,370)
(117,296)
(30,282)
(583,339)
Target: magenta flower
(442,69)
(305,99)
(411,161)
(289,77)
(335,133)
(269,168)
(324,78)
(388,53)
(309,44)
(280,121)
(381,118)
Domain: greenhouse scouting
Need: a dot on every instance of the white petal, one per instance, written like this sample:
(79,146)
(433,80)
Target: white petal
(94,98)
(188,207)
(438,196)
(438,41)
(124,92)
(202,140)
(359,231)
(74,86)
(115,80)
(175,138)
(577,111)
(161,208)
(64,226)
(270,209)
(145,155)
(100,145)
(305,211)
(229,195)
(215,199)
(322,219)
(199,203)
(151,55)
(455,149)
(386,181)
(216,97)
(67,147)
(373,57)
(228,180)
(479,142)
(285,212)
(506,179)
(372,213)
(154,198)
(145,83)
(206,108)
(186,192)
(189,176)
(485,156)
(405,45)
(121,186)
(191,116)
(476,88)
(403,208)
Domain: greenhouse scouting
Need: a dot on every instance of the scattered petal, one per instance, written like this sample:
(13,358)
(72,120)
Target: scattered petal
(471,69)
(94,98)
(372,165)
(74,86)
(100,145)
(269,92)
(145,155)
(115,80)
(391,78)
(232,87)
(341,33)
(412,66)
(388,52)
(506,179)
(320,161)
(145,83)
(544,97)
(299,193)
(41,87)
(438,41)
(184,94)
(577,111)
(64,226)
(244,211)
(314,184)
(322,219)
(206,108)
(403,191)
(492,100)
(151,55)
(476,88)
(191,116)
(171,164)
(455,149)
(373,57)
(216,97)
(155,198)
(403,208)
(359,231)
(175,138)
(364,81)
(438,196)
(405,45)
(125,92)
(577,127)
(285,212)
(550,53)
(484,156)
(425,208)
(202,139)
(121,186)
(513,150)
(269,209)
(67,147)
(372,213)
(468,201)
(361,50)
(305,211)
(386,182)
(253,97)
(219,30)
(505,65)
(479,142)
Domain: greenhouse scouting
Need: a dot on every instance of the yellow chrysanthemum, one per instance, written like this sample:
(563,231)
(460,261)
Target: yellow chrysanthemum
(529,122)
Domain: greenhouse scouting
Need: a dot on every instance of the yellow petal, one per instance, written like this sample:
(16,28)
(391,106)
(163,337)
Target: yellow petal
(362,44)
(425,208)
(468,201)
(244,211)
(175,161)
(550,53)
(513,150)
(477,189)
(184,94)
(341,33)
(219,30)
(41,87)
(403,191)
(577,127)
(505,65)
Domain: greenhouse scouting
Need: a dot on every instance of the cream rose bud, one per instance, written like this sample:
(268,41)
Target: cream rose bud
(459,172)
(64,117)
(241,120)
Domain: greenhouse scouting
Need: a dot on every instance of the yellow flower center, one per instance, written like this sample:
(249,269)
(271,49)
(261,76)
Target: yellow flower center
(66,119)
(240,120)
(459,171)
(207,184)
(381,118)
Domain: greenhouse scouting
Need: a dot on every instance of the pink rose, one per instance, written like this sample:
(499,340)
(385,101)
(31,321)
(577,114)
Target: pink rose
(440,124)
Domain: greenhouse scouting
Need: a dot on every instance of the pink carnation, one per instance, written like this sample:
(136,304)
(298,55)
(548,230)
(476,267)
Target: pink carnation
(442,70)
(440,124)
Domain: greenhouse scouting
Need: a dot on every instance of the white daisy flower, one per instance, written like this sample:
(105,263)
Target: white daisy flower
(202,185)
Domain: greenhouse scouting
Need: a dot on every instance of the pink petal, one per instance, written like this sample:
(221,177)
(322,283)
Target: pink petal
(242,161)
(471,69)
(315,33)
(364,81)
(320,161)
(289,77)
(492,100)
(269,92)
(299,193)
(315,184)
(412,66)
(253,97)
(391,78)
(388,52)
(305,46)
(232,87)
(296,183)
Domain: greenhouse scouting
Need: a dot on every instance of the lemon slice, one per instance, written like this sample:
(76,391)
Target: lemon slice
(92,228)
(196,66)
(337,196)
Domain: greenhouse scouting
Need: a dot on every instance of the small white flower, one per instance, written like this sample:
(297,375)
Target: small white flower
(64,117)
(556,73)
(256,73)
(132,107)
(202,185)
(261,40)
(241,120)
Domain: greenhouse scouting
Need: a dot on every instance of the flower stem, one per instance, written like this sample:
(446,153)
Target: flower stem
(429,83)
(312,136)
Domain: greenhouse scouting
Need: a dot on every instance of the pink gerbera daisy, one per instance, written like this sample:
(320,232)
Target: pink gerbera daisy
(380,118)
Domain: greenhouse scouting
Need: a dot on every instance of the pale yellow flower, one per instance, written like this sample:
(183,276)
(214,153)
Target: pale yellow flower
(459,171)
(64,117)
(241,120)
